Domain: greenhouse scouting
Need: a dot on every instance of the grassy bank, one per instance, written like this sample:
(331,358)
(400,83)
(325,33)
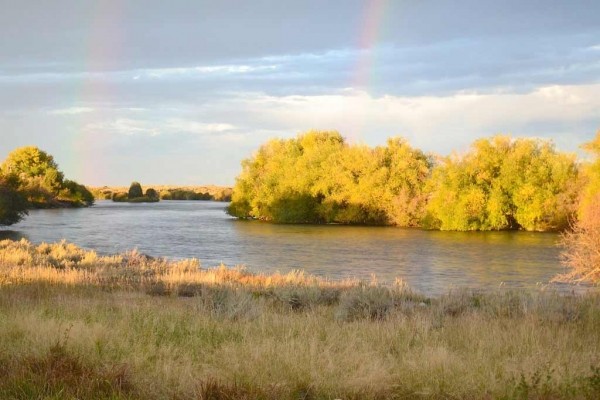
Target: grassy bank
(77,325)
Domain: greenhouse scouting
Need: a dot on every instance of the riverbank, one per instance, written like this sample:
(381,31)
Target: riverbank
(75,324)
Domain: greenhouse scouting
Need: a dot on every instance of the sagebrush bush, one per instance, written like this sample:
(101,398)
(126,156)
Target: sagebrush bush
(582,246)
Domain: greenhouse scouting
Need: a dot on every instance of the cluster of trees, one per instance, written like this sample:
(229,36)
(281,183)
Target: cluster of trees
(318,178)
(30,178)
(504,183)
(501,183)
(136,195)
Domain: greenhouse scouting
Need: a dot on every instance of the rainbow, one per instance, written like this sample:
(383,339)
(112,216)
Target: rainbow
(87,160)
(363,76)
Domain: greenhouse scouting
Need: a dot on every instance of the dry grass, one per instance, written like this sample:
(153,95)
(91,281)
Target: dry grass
(77,325)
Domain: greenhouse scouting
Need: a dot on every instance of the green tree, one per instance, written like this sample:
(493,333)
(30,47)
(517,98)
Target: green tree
(135,191)
(504,183)
(41,182)
(76,194)
(279,183)
(34,166)
(151,193)
(318,178)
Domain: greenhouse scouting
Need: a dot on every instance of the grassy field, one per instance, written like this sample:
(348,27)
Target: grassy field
(77,325)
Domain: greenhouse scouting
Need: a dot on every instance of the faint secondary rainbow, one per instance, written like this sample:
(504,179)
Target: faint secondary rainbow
(364,72)
(102,48)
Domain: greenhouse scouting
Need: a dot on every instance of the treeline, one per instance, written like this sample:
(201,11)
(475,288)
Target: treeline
(172,193)
(501,183)
(30,178)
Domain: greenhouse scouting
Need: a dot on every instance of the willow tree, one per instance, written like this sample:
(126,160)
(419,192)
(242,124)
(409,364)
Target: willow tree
(277,183)
(504,183)
(318,178)
(382,185)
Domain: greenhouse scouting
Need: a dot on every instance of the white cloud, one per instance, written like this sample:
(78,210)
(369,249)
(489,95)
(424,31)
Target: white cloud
(130,126)
(70,111)
(182,125)
(431,122)
(232,69)
(123,126)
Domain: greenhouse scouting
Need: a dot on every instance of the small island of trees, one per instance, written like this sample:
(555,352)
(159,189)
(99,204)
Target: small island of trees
(501,183)
(136,195)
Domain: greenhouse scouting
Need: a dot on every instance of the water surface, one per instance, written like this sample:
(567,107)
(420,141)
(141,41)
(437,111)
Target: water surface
(430,261)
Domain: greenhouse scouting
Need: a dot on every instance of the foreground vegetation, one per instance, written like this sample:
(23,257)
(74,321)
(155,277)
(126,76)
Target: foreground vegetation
(78,325)
(500,183)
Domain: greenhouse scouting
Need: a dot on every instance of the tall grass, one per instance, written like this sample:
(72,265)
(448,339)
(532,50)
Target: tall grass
(74,324)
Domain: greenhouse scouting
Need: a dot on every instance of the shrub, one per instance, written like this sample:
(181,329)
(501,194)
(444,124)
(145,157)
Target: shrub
(119,197)
(13,205)
(135,190)
(76,194)
(151,193)
(582,246)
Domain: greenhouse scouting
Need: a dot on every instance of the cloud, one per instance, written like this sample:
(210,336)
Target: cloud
(203,71)
(204,141)
(153,127)
(71,111)
(565,113)
(122,126)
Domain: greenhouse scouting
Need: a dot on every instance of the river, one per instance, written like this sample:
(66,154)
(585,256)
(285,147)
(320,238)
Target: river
(431,262)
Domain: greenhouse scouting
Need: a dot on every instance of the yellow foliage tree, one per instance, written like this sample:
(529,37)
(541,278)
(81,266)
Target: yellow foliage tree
(504,183)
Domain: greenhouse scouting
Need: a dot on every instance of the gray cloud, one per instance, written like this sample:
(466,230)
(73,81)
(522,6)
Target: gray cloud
(182,91)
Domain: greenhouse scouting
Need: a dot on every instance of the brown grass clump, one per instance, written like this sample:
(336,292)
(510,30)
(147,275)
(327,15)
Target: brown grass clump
(582,246)
(58,373)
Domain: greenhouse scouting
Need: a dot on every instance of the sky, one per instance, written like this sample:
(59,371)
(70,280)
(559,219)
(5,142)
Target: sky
(180,92)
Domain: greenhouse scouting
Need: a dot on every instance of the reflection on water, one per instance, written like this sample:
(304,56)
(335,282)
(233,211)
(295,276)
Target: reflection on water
(430,261)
